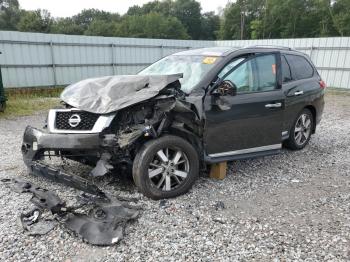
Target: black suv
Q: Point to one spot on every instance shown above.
(181, 113)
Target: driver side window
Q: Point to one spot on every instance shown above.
(255, 75)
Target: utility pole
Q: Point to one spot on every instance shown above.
(242, 19)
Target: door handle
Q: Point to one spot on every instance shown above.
(298, 93)
(276, 105)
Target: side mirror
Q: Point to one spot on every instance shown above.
(225, 88)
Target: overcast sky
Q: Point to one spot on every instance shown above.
(64, 8)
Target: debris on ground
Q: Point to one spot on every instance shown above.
(219, 205)
(99, 221)
(268, 217)
(34, 225)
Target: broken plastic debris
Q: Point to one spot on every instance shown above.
(102, 167)
(102, 224)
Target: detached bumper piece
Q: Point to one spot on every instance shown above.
(98, 221)
(37, 142)
(56, 175)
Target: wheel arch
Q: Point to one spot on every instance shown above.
(190, 137)
(314, 114)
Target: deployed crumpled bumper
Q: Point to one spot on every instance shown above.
(36, 142)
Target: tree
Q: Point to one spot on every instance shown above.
(35, 21)
(189, 13)
(210, 25)
(230, 24)
(341, 17)
(164, 7)
(9, 14)
(102, 28)
(87, 16)
(135, 10)
(240, 19)
(66, 26)
(260, 19)
(152, 25)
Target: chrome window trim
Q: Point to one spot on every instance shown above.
(102, 122)
(247, 150)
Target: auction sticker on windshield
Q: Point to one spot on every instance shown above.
(209, 60)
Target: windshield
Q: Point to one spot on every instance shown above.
(192, 67)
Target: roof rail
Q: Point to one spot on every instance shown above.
(270, 46)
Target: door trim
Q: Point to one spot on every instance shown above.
(247, 150)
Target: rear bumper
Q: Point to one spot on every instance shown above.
(36, 142)
(319, 105)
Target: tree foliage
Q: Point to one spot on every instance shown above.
(253, 19)
(9, 14)
(341, 17)
(35, 21)
(152, 25)
(210, 25)
(184, 19)
(188, 12)
(66, 26)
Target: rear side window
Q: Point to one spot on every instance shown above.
(301, 68)
(286, 73)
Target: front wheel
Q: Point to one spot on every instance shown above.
(300, 133)
(165, 167)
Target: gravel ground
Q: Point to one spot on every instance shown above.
(292, 206)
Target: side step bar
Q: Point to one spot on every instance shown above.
(74, 181)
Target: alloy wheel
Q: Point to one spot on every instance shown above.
(302, 130)
(168, 169)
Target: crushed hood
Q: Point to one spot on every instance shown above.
(107, 94)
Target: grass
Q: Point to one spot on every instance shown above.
(338, 91)
(24, 102)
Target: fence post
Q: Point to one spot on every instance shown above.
(113, 59)
(53, 64)
(311, 52)
(161, 51)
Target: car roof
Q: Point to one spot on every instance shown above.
(225, 51)
(208, 51)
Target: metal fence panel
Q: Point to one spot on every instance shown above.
(35, 59)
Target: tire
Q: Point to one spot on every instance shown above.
(299, 139)
(169, 178)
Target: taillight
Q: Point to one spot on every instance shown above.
(322, 84)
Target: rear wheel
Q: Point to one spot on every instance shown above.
(300, 133)
(165, 167)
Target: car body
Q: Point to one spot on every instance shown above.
(164, 127)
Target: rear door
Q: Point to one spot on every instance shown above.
(251, 121)
(300, 82)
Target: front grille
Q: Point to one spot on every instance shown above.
(87, 122)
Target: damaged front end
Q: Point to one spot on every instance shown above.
(109, 139)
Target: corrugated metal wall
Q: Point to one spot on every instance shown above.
(34, 59)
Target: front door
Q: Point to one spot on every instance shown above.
(251, 120)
